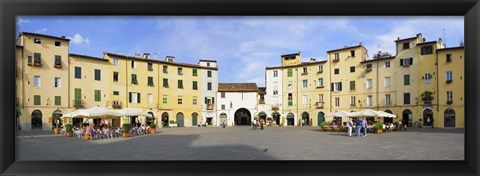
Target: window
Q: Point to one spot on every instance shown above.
(352, 85)
(426, 50)
(352, 101)
(222, 95)
(406, 45)
(449, 76)
(352, 69)
(449, 96)
(194, 72)
(58, 82)
(275, 73)
(289, 72)
(369, 100)
(97, 75)
(208, 64)
(289, 85)
(115, 76)
(36, 81)
(165, 69)
(352, 53)
(290, 99)
(115, 62)
(387, 100)
(337, 71)
(209, 73)
(194, 85)
(78, 72)
(194, 100)
(165, 99)
(180, 71)
(337, 86)
(78, 95)
(58, 60)
(275, 101)
(36, 100)
(58, 100)
(98, 96)
(320, 98)
(304, 100)
(134, 79)
(406, 79)
(369, 67)
(150, 66)
(337, 102)
(320, 82)
(387, 64)
(336, 56)
(165, 82)
(304, 83)
(369, 84)
(180, 84)
(387, 81)
(116, 93)
(37, 58)
(180, 100)
(406, 98)
(150, 98)
(29, 59)
(305, 70)
(427, 77)
(320, 68)
(150, 81)
(134, 97)
(406, 62)
(449, 57)
(275, 92)
(37, 40)
(209, 86)
(134, 64)
(223, 107)
(57, 43)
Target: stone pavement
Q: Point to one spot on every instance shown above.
(243, 143)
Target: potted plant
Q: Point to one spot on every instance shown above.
(283, 122)
(126, 130)
(153, 128)
(68, 130)
(172, 122)
(56, 120)
(378, 127)
(323, 125)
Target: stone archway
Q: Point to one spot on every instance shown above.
(407, 117)
(449, 121)
(243, 117)
(427, 117)
(320, 118)
(150, 119)
(56, 121)
(36, 120)
(180, 120)
(276, 117)
(305, 119)
(165, 119)
(290, 119)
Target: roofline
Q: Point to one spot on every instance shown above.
(451, 48)
(240, 90)
(292, 54)
(88, 57)
(373, 60)
(207, 60)
(299, 65)
(162, 62)
(401, 40)
(43, 35)
(425, 43)
(350, 47)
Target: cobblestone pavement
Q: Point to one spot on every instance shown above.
(243, 143)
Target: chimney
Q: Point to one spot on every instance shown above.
(155, 56)
(146, 55)
(312, 60)
(63, 36)
(398, 38)
(360, 44)
(170, 59)
(423, 40)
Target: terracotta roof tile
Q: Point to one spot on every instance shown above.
(237, 87)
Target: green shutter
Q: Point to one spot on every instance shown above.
(406, 79)
(78, 94)
(289, 72)
(340, 86)
(78, 72)
(138, 97)
(195, 85)
(352, 85)
(206, 100)
(213, 100)
(130, 97)
(194, 72)
(98, 96)
(58, 60)
(29, 59)
(36, 100)
(332, 88)
(58, 100)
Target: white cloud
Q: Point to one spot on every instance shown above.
(79, 40)
(21, 21)
(41, 30)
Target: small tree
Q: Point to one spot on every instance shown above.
(56, 119)
(126, 127)
(69, 128)
(283, 120)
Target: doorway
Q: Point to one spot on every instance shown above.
(36, 120)
(449, 118)
(243, 117)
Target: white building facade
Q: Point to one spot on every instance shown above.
(273, 97)
(237, 103)
(209, 91)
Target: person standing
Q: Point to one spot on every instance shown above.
(364, 127)
(399, 125)
(349, 126)
(254, 124)
(358, 126)
(261, 124)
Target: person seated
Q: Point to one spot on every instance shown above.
(140, 131)
(79, 132)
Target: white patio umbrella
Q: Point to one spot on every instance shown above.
(98, 112)
(72, 114)
(339, 114)
(366, 112)
(385, 114)
(133, 112)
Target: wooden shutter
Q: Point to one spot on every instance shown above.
(332, 87)
(129, 97)
(138, 97)
(213, 100)
(401, 62)
(340, 86)
(411, 61)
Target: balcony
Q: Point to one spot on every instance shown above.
(57, 66)
(319, 105)
(319, 87)
(368, 69)
(78, 103)
(210, 106)
(321, 71)
(449, 81)
(304, 73)
(449, 102)
(275, 108)
(336, 59)
(150, 68)
(38, 64)
(116, 104)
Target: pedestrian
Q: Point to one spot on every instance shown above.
(303, 122)
(399, 125)
(364, 127)
(261, 124)
(254, 124)
(432, 122)
(358, 126)
(349, 125)
(405, 126)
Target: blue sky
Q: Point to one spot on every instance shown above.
(242, 45)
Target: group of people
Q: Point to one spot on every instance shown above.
(360, 124)
(258, 123)
(91, 131)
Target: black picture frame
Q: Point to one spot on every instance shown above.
(470, 9)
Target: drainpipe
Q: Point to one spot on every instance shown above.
(378, 85)
(438, 93)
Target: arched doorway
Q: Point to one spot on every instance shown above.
(194, 119)
(305, 119)
(290, 119)
(180, 119)
(407, 117)
(320, 118)
(36, 120)
(276, 117)
(150, 119)
(223, 118)
(56, 123)
(387, 120)
(449, 118)
(262, 116)
(165, 119)
(427, 117)
(243, 117)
